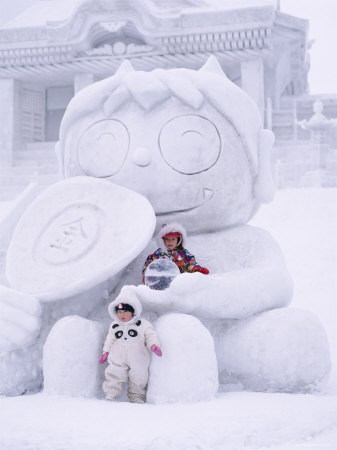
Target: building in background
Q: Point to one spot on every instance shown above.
(57, 47)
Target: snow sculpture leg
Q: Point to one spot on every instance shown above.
(70, 363)
(188, 369)
(278, 350)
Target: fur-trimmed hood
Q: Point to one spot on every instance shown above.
(169, 228)
(127, 295)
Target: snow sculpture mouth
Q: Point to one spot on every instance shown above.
(186, 198)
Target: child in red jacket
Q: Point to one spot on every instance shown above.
(171, 239)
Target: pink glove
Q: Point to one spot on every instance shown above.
(103, 358)
(156, 350)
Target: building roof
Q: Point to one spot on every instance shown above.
(53, 39)
(57, 12)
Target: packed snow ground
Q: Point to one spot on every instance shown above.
(304, 224)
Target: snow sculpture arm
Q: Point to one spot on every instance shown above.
(20, 319)
(257, 280)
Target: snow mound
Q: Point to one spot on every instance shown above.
(75, 235)
(188, 369)
(279, 350)
(70, 358)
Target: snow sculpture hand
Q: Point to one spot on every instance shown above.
(202, 270)
(20, 320)
(156, 350)
(103, 357)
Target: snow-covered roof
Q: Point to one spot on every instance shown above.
(58, 12)
(210, 4)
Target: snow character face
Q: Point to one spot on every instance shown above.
(190, 141)
(124, 316)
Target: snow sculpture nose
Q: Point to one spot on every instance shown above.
(142, 157)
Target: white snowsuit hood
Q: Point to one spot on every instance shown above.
(169, 228)
(127, 295)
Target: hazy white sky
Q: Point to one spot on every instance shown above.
(322, 15)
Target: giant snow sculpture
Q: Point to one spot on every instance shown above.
(192, 143)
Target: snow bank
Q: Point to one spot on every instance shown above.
(234, 421)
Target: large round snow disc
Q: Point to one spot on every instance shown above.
(160, 273)
(76, 234)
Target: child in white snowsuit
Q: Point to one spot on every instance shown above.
(127, 348)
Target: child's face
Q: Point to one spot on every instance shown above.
(124, 316)
(171, 242)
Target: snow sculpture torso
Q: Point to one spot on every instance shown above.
(193, 144)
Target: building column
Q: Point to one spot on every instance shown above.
(252, 82)
(9, 120)
(82, 80)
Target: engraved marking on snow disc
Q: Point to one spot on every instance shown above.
(69, 235)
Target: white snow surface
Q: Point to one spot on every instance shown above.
(304, 224)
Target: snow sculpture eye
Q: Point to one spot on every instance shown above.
(119, 334)
(190, 144)
(132, 333)
(103, 147)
